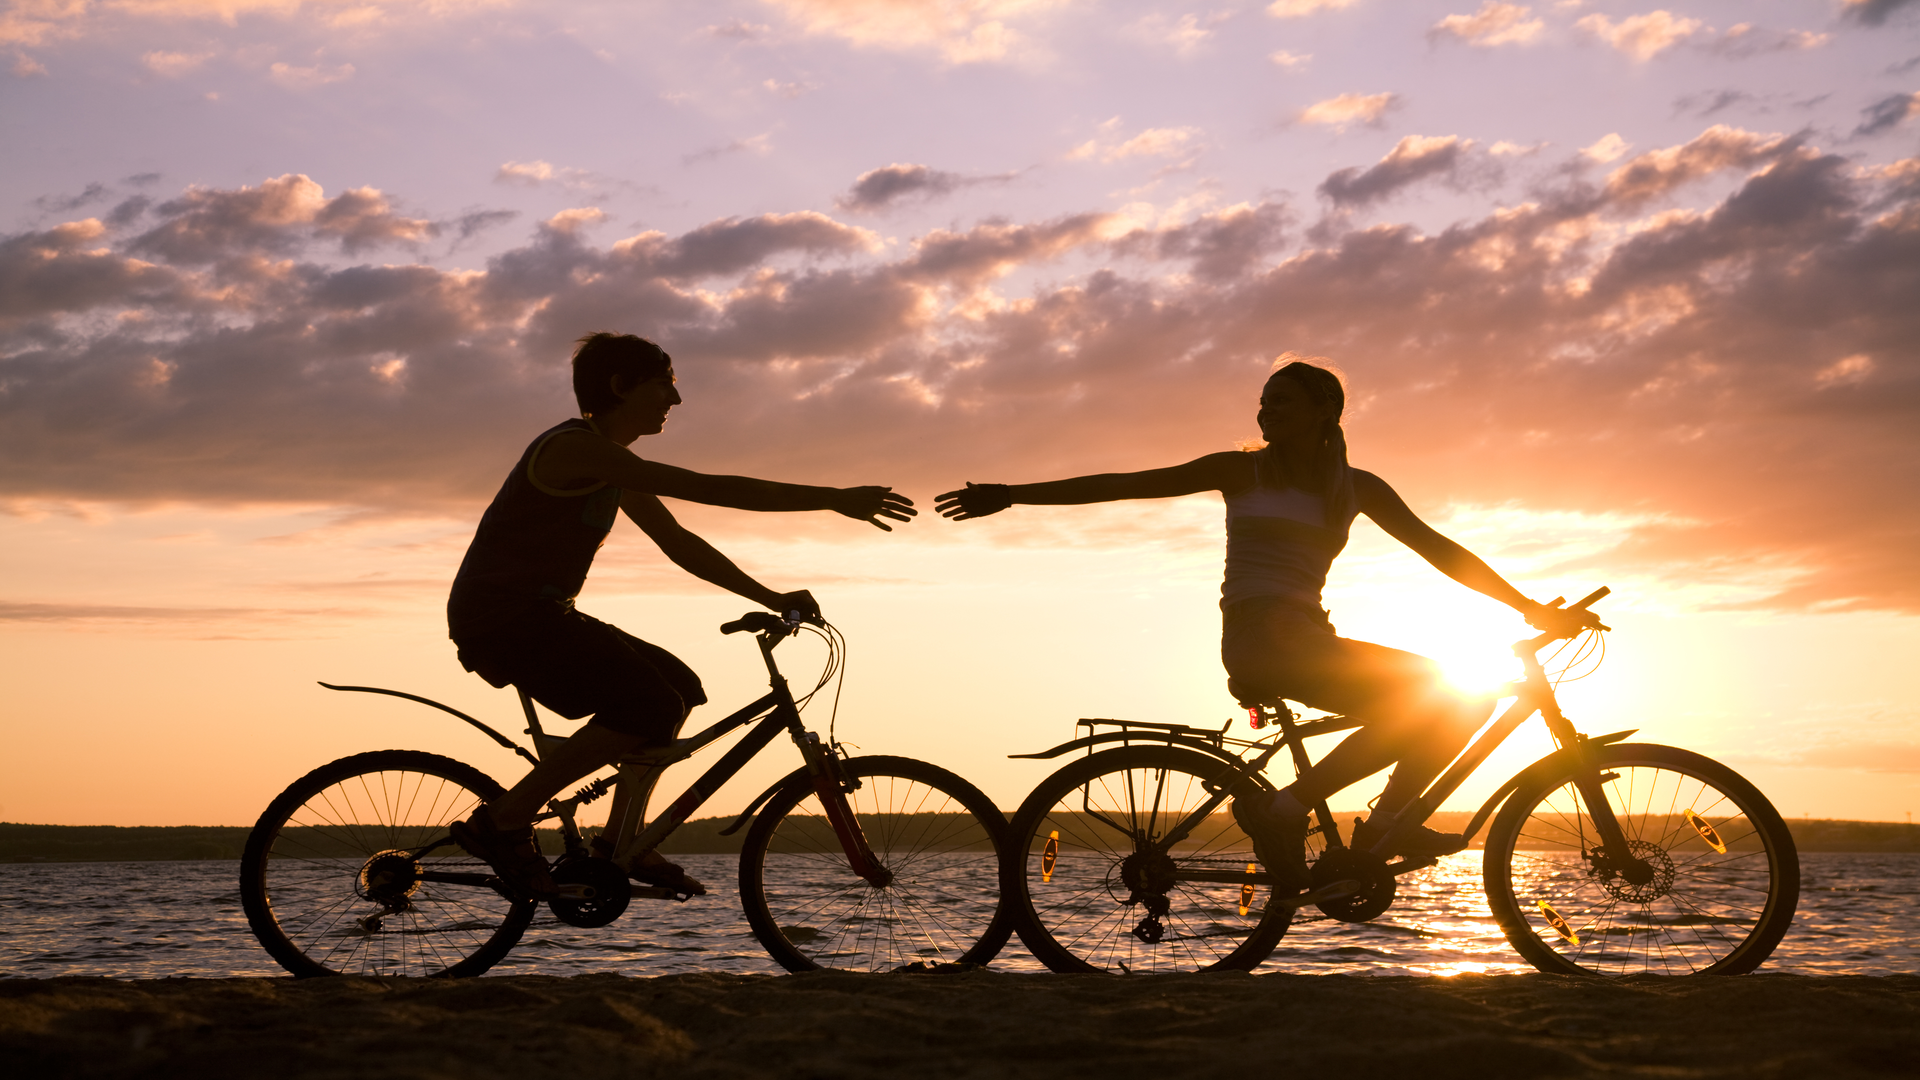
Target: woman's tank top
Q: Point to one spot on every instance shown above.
(534, 545)
(1279, 542)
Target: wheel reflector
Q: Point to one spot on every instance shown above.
(1246, 892)
(1559, 924)
(1050, 856)
(1706, 831)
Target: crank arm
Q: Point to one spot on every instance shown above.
(1332, 891)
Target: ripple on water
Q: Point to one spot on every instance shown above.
(147, 920)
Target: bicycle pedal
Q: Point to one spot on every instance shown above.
(1332, 891)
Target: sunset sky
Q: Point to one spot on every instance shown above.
(1625, 294)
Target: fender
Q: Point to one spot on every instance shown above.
(1558, 760)
(496, 736)
(1135, 738)
(797, 776)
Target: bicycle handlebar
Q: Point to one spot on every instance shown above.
(761, 622)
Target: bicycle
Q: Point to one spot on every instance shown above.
(871, 863)
(1604, 857)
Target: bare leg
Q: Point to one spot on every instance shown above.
(590, 749)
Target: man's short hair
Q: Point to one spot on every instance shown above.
(602, 357)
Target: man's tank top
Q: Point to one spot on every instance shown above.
(534, 545)
(1279, 542)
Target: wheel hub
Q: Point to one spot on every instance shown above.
(1148, 871)
(1643, 878)
(389, 878)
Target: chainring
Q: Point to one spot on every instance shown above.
(604, 885)
(1377, 885)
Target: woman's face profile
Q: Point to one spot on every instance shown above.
(1286, 407)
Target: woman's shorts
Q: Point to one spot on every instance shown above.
(1276, 648)
(578, 666)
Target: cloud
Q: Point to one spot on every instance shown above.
(536, 173)
(1744, 39)
(759, 145)
(1888, 113)
(1413, 159)
(1734, 381)
(1348, 109)
(1494, 24)
(879, 189)
(1642, 36)
(315, 75)
(960, 31)
(172, 65)
(1659, 172)
(1298, 9)
(737, 29)
(1873, 12)
(1290, 61)
(1185, 34)
(1153, 142)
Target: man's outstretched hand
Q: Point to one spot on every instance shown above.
(974, 500)
(870, 504)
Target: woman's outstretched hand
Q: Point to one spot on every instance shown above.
(870, 504)
(974, 500)
(1559, 621)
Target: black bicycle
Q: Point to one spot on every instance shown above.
(853, 863)
(1606, 857)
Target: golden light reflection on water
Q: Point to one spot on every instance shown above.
(1439, 924)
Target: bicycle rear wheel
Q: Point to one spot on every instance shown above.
(351, 871)
(1087, 853)
(938, 836)
(1721, 873)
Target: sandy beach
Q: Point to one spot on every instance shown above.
(972, 1024)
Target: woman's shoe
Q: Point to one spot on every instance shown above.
(1279, 840)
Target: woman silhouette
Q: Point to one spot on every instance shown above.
(1290, 505)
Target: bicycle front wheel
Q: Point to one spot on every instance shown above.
(351, 871)
(938, 837)
(1709, 889)
(1088, 866)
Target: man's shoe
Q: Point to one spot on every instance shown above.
(513, 854)
(1418, 842)
(651, 868)
(1279, 840)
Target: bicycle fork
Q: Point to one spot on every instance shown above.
(832, 786)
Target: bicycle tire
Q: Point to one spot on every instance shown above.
(313, 865)
(1076, 916)
(937, 834)
(1705, 912)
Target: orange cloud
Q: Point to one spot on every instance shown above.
(1733, 382)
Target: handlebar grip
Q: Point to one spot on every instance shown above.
(756, 621)
(1592, 597)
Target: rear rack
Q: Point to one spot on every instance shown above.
(1322, 725)
(1162, 731)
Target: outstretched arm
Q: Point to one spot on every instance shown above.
(1227, 471)
(578, 459)
(1381, 503)
(697, 557)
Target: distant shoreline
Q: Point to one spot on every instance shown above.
(162, 843)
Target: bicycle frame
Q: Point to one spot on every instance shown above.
(775, 711)
(1533, 693)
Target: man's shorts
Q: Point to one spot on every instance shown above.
(578, 666)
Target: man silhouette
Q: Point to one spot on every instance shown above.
(512, 614)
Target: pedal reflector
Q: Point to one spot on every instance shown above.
(1246, 891)
(1049, 856)
(1706, 831)
(1559, 924)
